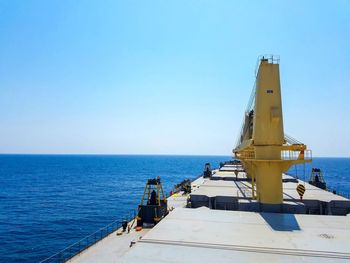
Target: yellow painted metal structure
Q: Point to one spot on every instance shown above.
(262, 147)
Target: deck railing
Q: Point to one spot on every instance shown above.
(296, 155)
(79, 246)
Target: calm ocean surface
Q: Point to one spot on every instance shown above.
(48, 202)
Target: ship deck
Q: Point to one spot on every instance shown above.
(114, 247)
(210, 232)
(206, 235)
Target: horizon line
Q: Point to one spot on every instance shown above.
(147, 154)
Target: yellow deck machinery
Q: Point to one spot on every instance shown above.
(262, 145)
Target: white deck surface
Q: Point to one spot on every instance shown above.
(241, 189)
(311, 192)
(212, 188)
(110, 249)
(203, 235)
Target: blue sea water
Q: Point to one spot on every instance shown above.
(48, 202)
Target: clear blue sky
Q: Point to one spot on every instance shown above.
(167, 77)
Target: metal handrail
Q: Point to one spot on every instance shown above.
(273, 59)
(84, 243)
(290, 155)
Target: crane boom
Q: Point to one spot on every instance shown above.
(262, 147)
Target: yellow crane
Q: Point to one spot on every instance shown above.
(262, 147)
